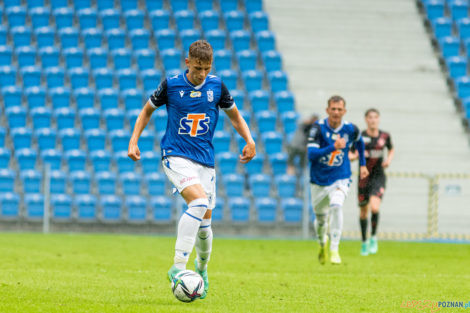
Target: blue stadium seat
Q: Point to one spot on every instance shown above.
(90, 118)
(217, 38)
(6, 54)
(184, 19)
(145, 59)
(153, 5)
(108, 98)
(106, 183)
(241, 40)
(101, 160)
(86, 207)
(63, 17)
(247, 60)
(230, 78)
(114, 119)
(104, 78)
(34, 204)
(457, 66)
(98, 58)
(96, 139)
(35, 97)
(434, 9)
(166, 39)
(221, 122)
(45, 37)
(259, 21)
(450, 46)
(21, 137)
(52, 157)
(272, 142)
(442, 27)
(122, 58)
(246, 116)
(146, 140)
(218, 212)
(458, 9)
(131, 183)
(60, 98)
(151, 78)
(188, 36)
(35, 3)
(253, 80)
(259, 100)
(70, 138)
(260, 185)
(134, 19)
(234, 184)
(266, 209)
(84, 98)
(127, 78)
(69, 37)
(16, 16)
(111, 208)
(11, 96)
(2, 136)
(278, 163)
(87, 18)
(229, 5)
(120, 140)
(61, 205)
(239, 98)
(7, 180)
(9, 205)
(31, 76)
(73, 57)
(79, 77)
(49, 57)
(178, 5)
(160, 19)
(156, 183)
(110, 19)
(222, 60)
(58, 182)
(284, 101)
(266, 41)
(463, 87)
(278, 81)
(92, 38)
(76, 160)
(151, 161)
(83, 4)
(7, 76)
(272, 60)
(209, 19)
(239, 209)
(463, 28)
(26, 158)
(266, 121)
(46, 138)
(4, 157)
(65, 118)
(3, 34)
(133, 99)
(80, 182)
(221, 141)
(116, 38)
(55, 77)
(285, 185)
(136, 208)
(161, 119)
(40, 17)
(227, 162)
(289, 122)
(140, 39)
(292, 209)
(31, 180)
(234, 20)
(16, 116)
(171, 58)
(161, 209)
(105, 5)
(253, 5)
(123, 162)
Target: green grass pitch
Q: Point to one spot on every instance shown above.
(124, 273)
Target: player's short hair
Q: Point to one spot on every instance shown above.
(372, 110)
(336, 98)
(201, 50)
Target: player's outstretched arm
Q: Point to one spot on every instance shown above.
(390, 155)
(142, 120)
(249, 151)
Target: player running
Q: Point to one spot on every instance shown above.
(330, 173)
(371, 189)
(192, 101)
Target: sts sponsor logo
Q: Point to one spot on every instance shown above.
(194, 124)
(335, 158)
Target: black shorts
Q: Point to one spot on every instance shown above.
(372, 185)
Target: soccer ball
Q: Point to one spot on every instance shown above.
(187, 286)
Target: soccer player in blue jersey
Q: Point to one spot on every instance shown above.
(192, 100)
(330, 173)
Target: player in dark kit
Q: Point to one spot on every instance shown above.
(371, 189)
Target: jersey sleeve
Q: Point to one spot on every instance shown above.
(226, 101)
(160, 95)
(388, 143)
(313, 144)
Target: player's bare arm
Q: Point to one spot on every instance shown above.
(363, 172)
(249, 151)
(390, 155)
(142, 120)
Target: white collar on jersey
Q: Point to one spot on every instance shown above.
(191, 84)
(337, 129)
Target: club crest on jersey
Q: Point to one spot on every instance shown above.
(194, 124)
(181, 93)
(195, 94)
(210, 95)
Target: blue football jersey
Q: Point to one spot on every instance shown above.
(327, 164)
(193, 112)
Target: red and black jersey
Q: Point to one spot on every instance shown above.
(375, 150)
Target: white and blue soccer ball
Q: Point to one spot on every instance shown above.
(187, 286)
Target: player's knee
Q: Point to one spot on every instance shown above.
(337, 198)
(198, 207)
(320, 219)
